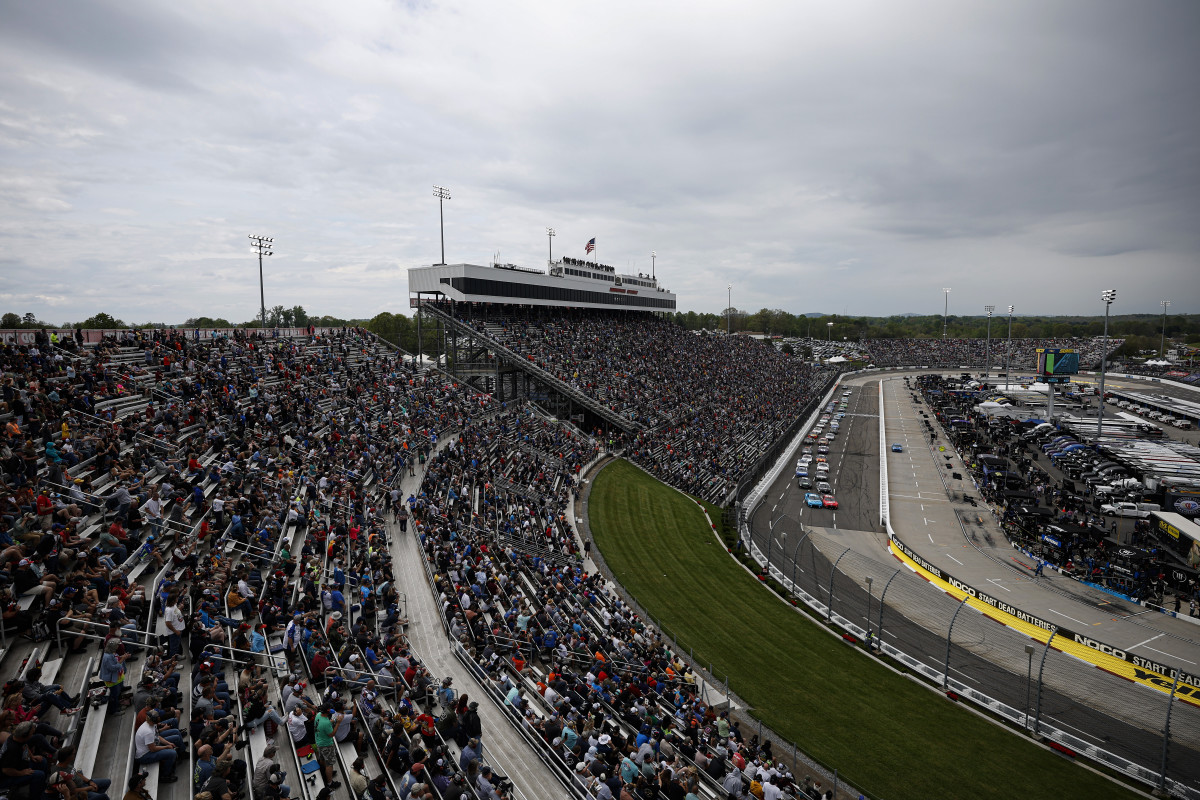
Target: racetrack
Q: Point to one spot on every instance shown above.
(1102, 710)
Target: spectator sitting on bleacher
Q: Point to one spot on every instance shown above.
(73, 784)
(41, 697)
(19, 765)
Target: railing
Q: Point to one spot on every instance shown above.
(525, 366)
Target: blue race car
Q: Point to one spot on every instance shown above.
(814, 500)
(897, 448)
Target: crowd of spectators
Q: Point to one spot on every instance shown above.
(974, 352)
(707, 406)
(256, 477)
(601, 689)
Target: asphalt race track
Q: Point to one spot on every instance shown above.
(1099, 708)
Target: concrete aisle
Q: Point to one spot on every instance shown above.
(503, 747)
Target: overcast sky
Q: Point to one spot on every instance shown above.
(839, 156)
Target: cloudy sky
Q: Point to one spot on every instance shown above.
(820, 156)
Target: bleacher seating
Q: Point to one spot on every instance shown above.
(304, 440)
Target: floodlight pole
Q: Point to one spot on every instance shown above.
(1008, 352)
(550, 239)
(828, 331)
(729, 309)
(946, 313)
(442, 193)
(1107, 297)
(1162, 348)
(987, 367)
(262, 245)
(653, 255)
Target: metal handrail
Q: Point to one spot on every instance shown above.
(58, 632)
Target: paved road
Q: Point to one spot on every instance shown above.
(1102, 710)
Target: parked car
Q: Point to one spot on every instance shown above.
(1139, 510)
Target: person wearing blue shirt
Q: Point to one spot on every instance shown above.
(258, 642)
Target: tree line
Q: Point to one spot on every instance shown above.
(1141, 331)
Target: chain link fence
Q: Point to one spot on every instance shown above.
(1147, 734)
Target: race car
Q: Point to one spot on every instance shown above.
(828, 501)
(813, 500)
(897, 448)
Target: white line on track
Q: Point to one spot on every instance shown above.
(1072, 727)
(931, 541)
(1002, 586)
(1148, 641)
(955, 560)
(1171, 655)
(1081, 622)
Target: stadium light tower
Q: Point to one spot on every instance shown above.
(1162, 348)
(550, 239)
(946, 313)
(262, 245)
(829, 331)
(1008, 352)
(1107, 297)
(729, 309)
(987, 367)
(441, 193)
(653, 255)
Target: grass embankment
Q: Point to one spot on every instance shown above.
(885, 734)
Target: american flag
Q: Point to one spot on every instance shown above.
(591, 245)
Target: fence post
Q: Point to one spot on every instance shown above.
(832, 572)
(1162, 778)
(879, 627)
(949, 632)
(795, 554)
(1037, 714)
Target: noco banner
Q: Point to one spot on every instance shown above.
(1112, 659)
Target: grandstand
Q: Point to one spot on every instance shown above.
(1022, 354)
(211, 524)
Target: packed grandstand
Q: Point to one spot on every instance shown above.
(1021, 354)
(203, 530)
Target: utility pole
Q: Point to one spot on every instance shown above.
(262, 245)
(1008, 352)
(987, 369)
(1162, 348)
(946, 313)
(1107, 297)
(441, 193)
(729, 309)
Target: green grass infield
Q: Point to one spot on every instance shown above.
(886, 735)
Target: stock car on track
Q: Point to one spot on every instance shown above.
(814, 500)
(828, 501)
(897, 448)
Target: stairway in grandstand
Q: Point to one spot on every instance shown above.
(533, 370)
